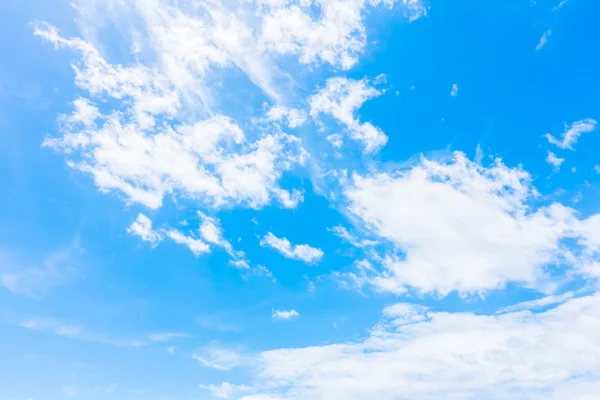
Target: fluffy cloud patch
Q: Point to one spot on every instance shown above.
(135, 152)
(340, 98)
(302, 252)
(142, 227)
(458, 226)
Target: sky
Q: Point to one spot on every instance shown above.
(299, 199)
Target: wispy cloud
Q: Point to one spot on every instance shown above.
(571, 134)
(543, 40)
(54, 270)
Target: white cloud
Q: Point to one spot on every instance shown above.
(454, 91)
(555, 161)
(302, 252)
(552, 355)
(544, 39)
(171, 350)
(197, 246)
(142, 226)
(279, 315)
(225, 390)
(340, 98)
(572, 133)
(330, 31)
(210, 230)
(129, 152)
(336, 140)
(597, 169)
(458, 226)
(217, 357)
(261, 270)
(292, 116)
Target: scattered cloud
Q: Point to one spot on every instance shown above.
(555, 161)
(454, 91)
(341, 98)
(196, 246)
(572, 133)
(142, 227)
(302, 252)
(543, 40)
(279, 315)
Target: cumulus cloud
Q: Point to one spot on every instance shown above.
(279, 315)
(418, 353)
(302, 252)
(129, 152)
(455, 225)
(340, 98)
(572, 133)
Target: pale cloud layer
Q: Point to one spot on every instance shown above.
(458, 226)
(35, 281)
(415, 353)
(302, 252)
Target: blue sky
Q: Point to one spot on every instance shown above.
(284, 200)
